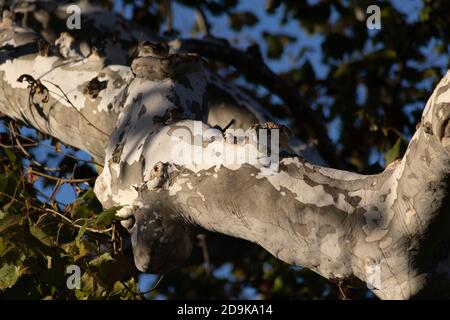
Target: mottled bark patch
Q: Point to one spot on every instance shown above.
(324, 230)
(94, 87)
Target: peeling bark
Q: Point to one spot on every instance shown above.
(389, 231)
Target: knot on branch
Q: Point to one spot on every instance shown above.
(170, 115)
(158, 176)
(66, 45)
(442, 117)
(153, 49)
(283, 131)
(160, 244)
(117, 153)
(46, 49)
(156, 68)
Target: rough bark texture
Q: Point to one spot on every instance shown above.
(389, 230)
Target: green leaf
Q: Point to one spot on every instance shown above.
(84, 248)
(80, 211)
(80, 295)
(100, 260)
(86, 206)
(10, 155)
(4, 247)
(41, 235)
(108, 216)
(396, 151)
(278, 284)
(82, 230)
(108, 270)
(9, 275)
(91, 287)
(10, 221)
(117, 289)
(87, 196)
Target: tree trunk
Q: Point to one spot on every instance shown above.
(147, 121)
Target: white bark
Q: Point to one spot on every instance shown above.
(347, 227)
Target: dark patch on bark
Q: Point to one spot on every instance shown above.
(94, 87)
(301, 228)
(173, 97)
(119, 82)
(196, 109)
(334, 192)
(117, 153)
(324, 230)
(292, 170)
(412, 175)
(384, 196)
(428, 128)
(170, 115)
(122, 133)
(142, 111)
(184, 80)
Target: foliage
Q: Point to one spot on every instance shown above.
(40, 239)
(370, 90)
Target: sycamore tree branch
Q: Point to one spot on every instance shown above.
(74, 84)
(170, 170)
(257, 71)
(347, 227)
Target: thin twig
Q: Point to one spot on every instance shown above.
(169, 15)
(73, 106)
(25, 152)
(136, 294)
(202, 21)
(341, 291)
(62, 180)
(54, 200)
(202, 244)
(55, 190)
(30, 145)
(57, 151)
(58, 232)
(154, 286)
(64, 218)
(113, 238)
